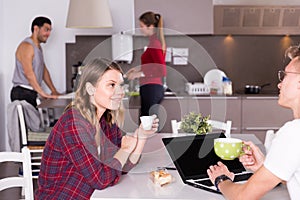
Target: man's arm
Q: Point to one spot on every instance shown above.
(258, 185)
(48, 81)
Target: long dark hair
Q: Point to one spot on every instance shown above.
(150, 18)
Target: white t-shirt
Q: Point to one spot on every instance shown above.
(283, 159)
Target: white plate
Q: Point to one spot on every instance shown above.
(214, 75)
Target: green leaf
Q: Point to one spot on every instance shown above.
(195, 123)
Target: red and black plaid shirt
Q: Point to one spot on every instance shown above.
(71, 167)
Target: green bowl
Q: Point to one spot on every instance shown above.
(228, 148)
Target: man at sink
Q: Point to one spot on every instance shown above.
(282, 163)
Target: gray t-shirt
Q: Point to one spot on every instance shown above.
(19, 77)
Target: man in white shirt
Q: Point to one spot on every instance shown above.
(282, 163)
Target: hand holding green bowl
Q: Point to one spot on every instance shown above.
(228, 148)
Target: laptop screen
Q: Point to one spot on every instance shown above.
(192, 155)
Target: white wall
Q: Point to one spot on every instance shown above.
(256, 2)
(15, 22)
(2, 110)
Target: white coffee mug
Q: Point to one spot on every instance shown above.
(147, 122)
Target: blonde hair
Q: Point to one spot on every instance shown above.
(292, 52)
(92, 73)
(150, 18)
(296, 63)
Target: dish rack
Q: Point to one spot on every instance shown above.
(197, 89)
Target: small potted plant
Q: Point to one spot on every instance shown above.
(195, 123)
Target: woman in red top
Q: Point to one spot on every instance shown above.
(152, 72)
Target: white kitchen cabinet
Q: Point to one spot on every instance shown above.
(260, 114)
(180, 17)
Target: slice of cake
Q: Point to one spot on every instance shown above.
(161, 177)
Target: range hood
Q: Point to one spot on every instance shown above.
(256, 20)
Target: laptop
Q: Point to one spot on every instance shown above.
(192, 156)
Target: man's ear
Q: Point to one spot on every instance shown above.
(90, 88)
(35, 28)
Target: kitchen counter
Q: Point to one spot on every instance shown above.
(133, 102)
(234, 96)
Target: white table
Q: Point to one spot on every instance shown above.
(137, 184)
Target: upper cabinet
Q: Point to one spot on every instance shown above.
(259, 20)
(180, 17)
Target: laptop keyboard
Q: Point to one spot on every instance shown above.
(205, 182)
(237, 178)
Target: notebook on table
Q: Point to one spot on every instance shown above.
(192, 156)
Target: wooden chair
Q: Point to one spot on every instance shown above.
(24, 181)
(216, 125)
(35, 142)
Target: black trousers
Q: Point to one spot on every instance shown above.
(20, 93)
(151, 95)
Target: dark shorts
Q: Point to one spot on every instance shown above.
(20, 93)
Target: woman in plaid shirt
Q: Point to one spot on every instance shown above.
(86, 150)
